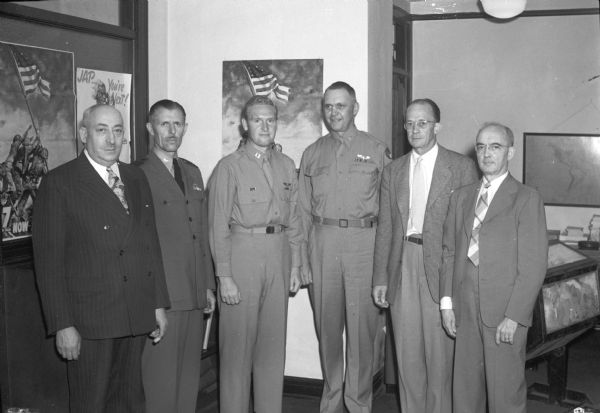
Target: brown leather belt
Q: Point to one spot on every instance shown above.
(269, 229)
(415, 239)
(346, 223)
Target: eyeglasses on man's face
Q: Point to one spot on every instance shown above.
(420, 124)
(492, 147)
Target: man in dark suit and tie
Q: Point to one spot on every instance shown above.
(99, 269)
(415, 192)
(495, 258)
(171, 370)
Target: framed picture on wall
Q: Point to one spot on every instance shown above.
(564, 168)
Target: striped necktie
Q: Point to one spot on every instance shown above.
(480, 211)
(117, 187)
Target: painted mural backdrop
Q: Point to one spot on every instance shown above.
(295, 86)
(37, 127)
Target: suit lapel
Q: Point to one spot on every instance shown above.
(403, 188)
(503, 198)
(164, 178)
(97, 189)
(441, 176)
(468, 207)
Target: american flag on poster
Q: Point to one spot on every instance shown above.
(264, 83)
(29, 73)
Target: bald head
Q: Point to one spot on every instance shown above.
(102, 132)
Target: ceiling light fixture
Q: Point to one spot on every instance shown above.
(504, 9)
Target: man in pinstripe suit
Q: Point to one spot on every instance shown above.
(99, 269)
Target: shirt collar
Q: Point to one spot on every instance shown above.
(101, 169)
(259, 155)
(496, 182)
(347, 136)
(165, 158)
(429, 156)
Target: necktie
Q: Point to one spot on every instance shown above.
(419, 196)
(266, 167)
(117, 186)
(480, 211)
(177, 175)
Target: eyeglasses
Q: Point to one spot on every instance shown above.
(492, 147)
(420, 124)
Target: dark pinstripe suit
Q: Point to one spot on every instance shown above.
(99, 269)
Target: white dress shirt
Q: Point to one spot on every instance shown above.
(428, 163)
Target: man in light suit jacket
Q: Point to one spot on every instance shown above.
(495, 258)
(171, 371)
(415, 193)
(99, 269)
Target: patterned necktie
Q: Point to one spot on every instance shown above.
(480, 211)
(419, 196)
(117, 187)
(177, 175)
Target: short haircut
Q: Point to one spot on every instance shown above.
(435, 109)
(342, 85)
(507, 132)
(165, 104)
(255, 101)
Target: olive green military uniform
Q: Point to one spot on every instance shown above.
(255, 237)
(339, 202)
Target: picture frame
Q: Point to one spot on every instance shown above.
(563, 167)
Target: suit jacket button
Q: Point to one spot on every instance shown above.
(193, 237)
(121, 252)
(125, 278)
(165, 202)
(190, 218)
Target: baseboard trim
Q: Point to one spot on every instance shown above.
(303, 386)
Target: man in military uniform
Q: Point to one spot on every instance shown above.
(339, 202)
(255, 240)
(171, 371)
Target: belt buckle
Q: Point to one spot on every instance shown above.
(270, 229)
(343, 223)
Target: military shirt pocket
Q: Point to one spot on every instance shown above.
(364, 175)
(318, 179)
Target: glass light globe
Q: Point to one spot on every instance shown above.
(503, 9)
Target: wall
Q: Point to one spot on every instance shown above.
(535, 74)
(201, 35)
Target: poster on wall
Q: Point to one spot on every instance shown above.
(96, 87)
(37, 127)
(294, 85)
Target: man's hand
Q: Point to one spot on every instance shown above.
(161, 325)
(68, 343)
(211, 302)
(505, 332)
(379, 296)
(295, 280)
(230, 294)
(305, 274)
(449, 322)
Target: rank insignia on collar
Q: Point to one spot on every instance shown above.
(287, 186)
(362, 158)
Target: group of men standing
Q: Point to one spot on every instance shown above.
(122, 253)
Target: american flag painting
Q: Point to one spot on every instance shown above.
(29, 73)
(265, 83)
